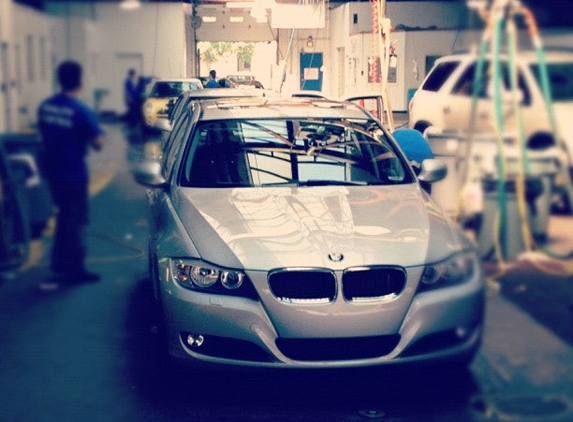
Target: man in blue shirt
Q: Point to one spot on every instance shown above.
(212, 82)
(130, 95)
(416, 148)
(69, 128)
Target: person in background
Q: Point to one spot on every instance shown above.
(68, 128)
(130, 95)
(416, 148)
(212, 82)
(225, 83)
(140, 97)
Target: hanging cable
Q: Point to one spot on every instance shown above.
(287, 56)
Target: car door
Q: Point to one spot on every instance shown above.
(457, 105)
(370, 102)
(159, 198)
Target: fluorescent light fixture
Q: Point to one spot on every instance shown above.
(209, 19)
(130, 4)
(236, 19)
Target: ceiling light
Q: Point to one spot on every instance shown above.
(130, 4)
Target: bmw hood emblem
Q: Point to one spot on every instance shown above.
(335, 257)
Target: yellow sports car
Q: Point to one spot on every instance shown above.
(161, 92)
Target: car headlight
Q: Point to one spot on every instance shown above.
(457, 269)
(201, 277)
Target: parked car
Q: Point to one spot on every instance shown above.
(203, 79)
(161, 91)
(245, 80)
(25, 201)
(292, 233)
(308, 94)
(444, 100)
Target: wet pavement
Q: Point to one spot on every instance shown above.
(88, 352)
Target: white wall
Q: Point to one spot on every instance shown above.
(435, 14)
(32, 38)
(106, 40)
(8, 87)
(152, 39)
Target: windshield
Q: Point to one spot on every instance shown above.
(560, 79)
(290, 152)
(164, 89)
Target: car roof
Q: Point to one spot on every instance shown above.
(176, 80)
(552, 54)
(278, 108)
(215, 93)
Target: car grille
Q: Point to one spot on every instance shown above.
(373, 283)
(303, 286)
(319, 286)
(328, 349)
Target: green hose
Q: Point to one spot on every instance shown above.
(498, 108)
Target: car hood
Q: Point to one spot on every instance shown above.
(334, 227)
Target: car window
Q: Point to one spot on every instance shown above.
(174, 142)
(298, 152)
(164, 89)
(178, 107)
(560, 79)
(465, 84)
(439, 75)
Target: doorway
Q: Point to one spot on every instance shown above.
(311, 71)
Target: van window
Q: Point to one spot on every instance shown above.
(465, 85)
(439, 75)
(560, 79)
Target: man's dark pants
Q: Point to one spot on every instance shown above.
(69, 251)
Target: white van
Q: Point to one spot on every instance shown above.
(444, 100)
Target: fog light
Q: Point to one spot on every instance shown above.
(195, 340)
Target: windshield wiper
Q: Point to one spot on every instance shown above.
(318, 182)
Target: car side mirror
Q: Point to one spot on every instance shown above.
(433, 170)
(149, 173)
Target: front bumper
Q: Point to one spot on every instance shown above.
(441, 324)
